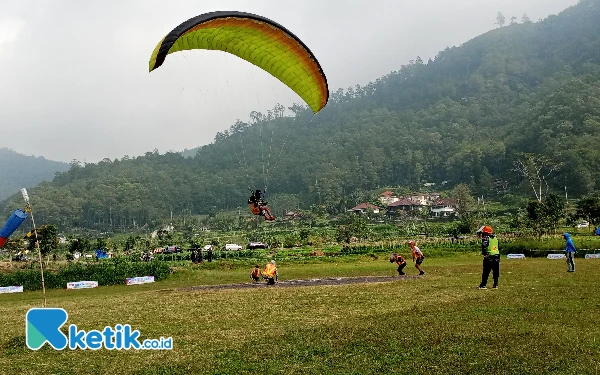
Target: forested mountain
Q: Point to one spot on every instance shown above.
(462, 117)
(19, 171)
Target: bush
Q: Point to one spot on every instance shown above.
(106, 273)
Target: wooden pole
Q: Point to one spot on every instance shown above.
(37, 243)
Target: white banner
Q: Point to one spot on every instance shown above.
(140, 280)
(515, 256)
(556, 256)
(592, 256)
(11, 289)
(82, 285)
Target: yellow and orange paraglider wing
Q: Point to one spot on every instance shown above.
(257, 40)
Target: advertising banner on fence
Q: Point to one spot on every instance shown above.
(515, 256)
(11, 289)
(140, 280)
(82, 285)
(592, 256)
(556, 256)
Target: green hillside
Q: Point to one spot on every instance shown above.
(19, 171)
(462, 117)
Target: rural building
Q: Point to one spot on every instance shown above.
(361, 208)
(405, 204)
(388, 197)
(443, 208)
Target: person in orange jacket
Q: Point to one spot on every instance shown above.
(255, 274)
(417, 256)
(400, 261)
(259, 207)
(270, 273)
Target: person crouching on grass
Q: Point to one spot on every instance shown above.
(417, 257)
(270, 273)
(400, 261)
(255, 274)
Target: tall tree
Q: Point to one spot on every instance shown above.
(545, 216)
(500, 19)
(464, 200)
(589, 209)
(48, 239)
(536, 169)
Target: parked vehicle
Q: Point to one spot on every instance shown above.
(207, 247)
(233, 246)
(20, 258)
(257, 245)
(583, 224)
(172, 249)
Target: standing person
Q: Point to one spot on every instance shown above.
(491, 256)
(270, 273)
(417, 257)
(400, 261)
(193, 256)
(209, 254)
(200, 257)
(570, 250)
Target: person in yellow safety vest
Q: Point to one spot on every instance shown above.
(270, 273)
(400, 261)
(255, 274)
(491, 256)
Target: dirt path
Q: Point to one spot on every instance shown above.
(310, 282)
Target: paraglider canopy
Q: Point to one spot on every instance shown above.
(257, 40)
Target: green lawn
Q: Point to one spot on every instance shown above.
(541, 320)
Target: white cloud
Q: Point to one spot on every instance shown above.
(10, 28)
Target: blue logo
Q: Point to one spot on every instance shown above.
(43, 325)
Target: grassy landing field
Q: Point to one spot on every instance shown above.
(541, 320)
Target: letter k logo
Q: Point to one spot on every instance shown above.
(43, 325)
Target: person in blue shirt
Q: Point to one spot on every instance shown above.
(570, 250)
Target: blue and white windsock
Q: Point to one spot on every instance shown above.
(14, 221)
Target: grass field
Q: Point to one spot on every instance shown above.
(541, 320)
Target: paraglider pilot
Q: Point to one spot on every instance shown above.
(258, 206)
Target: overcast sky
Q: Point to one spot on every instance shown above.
(74, 81)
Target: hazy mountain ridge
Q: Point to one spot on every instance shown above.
(18, 171)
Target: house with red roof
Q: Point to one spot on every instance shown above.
(388, 197)
(405, 204)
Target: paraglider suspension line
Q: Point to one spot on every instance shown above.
(245, 167)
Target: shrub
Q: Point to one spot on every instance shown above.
(106, 273)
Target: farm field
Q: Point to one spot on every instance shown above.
(541, 320)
